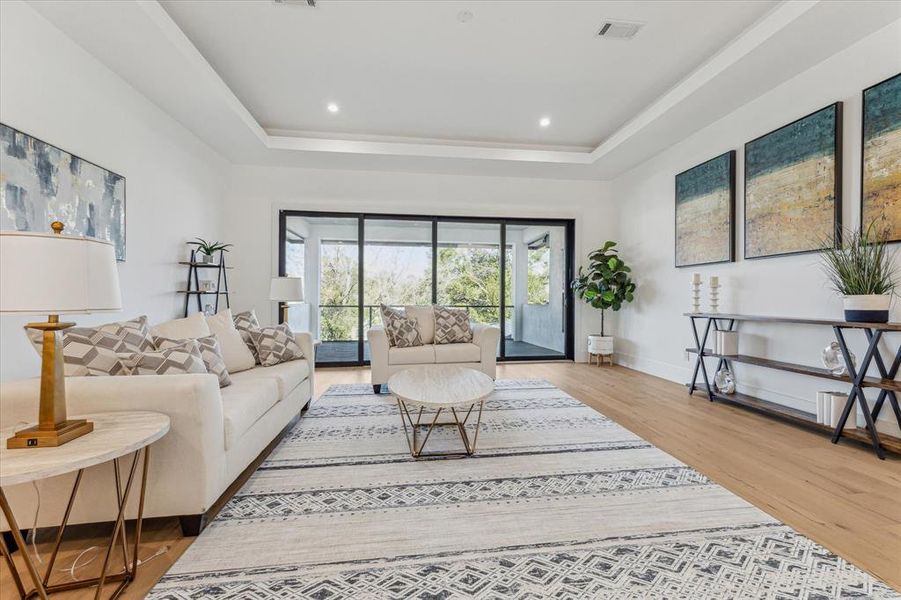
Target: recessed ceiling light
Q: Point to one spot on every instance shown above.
(545, 121)
(332, 107)
(464, 16)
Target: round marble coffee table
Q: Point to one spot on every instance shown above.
(440, 388)
(116, 435)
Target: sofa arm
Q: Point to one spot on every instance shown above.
(378, 354)
(188, 462)
(304, 339)
(486, 338)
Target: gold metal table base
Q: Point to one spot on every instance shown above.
(42, 586)
(416, 449)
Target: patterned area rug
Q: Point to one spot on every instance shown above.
(559, 502)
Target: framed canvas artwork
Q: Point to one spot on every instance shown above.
(793, 200)
(40, 183)
(880, 182)
(705, 212)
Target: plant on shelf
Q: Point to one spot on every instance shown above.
(605, 285)
(205, 249)
(864, 272)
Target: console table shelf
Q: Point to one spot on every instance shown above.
(886, 383)
(800, 417)
(869, 382)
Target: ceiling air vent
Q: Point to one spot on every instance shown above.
(619, 30)
(310, 3)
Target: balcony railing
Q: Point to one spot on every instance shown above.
(330, 330)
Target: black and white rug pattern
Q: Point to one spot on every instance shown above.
(559, 502)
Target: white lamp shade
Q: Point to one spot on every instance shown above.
(286, 289)
(42, 274)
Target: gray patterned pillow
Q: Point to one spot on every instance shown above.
(245, 322)
(402, 331)
(275, 344)
(209, 351)
(83, 347)
(177, 360)
(452, 326)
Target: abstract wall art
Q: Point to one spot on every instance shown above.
(880, 190)
(705, 212)
(793, 186)
(40, 183)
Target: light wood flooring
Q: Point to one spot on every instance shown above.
(841, 496)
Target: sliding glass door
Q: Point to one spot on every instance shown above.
(510, 273)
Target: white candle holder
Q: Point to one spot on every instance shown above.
(696, 296)
(714, 297)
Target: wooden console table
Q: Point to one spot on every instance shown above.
(886, 383)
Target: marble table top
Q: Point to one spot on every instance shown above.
(441, 386)
(115, 434)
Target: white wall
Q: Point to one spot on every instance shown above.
(258, 193)
(652, 332)
(54, 90)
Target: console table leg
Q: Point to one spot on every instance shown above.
(856, 394)
(699, 361)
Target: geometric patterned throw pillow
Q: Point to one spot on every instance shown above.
(177, 360)
(245, 322)
(209, 351)
(402, 331)
(91, 350)
(275, 344)
(452, 326)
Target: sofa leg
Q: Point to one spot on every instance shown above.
(10, 541)
(376, 388)
(192, 525)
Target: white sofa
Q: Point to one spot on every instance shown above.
(215, 435)
(386, 360)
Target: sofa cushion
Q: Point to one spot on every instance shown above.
(275, 345)
(209, 350)
(425, 320)
(402, 330)
(244, 322)
(192, 327)
(90, 350)
(452, 325)
(416, 355)
(178, 360)
(235, 353)
(287, 375)
(457, 353)
(245, 401)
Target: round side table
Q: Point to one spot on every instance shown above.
(115, 435)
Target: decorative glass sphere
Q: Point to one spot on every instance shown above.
(724, 381)
(834, 361)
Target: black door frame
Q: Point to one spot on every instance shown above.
(569, 226)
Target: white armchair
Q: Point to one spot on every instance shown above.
(386, 360)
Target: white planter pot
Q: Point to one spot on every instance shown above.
(203, 259)
(873, 308)
(600, 344)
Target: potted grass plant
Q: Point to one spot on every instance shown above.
(605, 285)
(864, 273)
(205, 249)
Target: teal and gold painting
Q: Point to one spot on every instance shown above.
(705, 212)
(793, 186)
(880, 193)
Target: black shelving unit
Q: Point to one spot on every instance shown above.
(193, 283)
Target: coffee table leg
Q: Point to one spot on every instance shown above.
(23, 547)
(12, 567)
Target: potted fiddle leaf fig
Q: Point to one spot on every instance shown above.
(864, 272)
(606, 285)
(205, 249)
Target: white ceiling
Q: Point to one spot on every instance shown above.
(420, 91)
(412, 69)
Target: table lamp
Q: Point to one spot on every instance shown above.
(286, 290)
(53, 274)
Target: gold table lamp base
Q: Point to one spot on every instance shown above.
(53, 428)
(35, 437)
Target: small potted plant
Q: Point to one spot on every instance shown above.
(605, 285)
(863, 272)
(206, 249)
